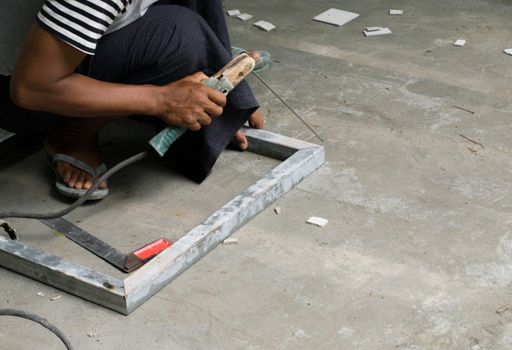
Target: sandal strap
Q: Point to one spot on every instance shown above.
(100, 170)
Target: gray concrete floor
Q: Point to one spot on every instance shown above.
(418, 250)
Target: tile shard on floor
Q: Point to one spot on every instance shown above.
(336, 17)
(317, 221)
(230, 241)
(232, 13)
(244, 17)
(264, 25)
(459, 42)
(376, 31)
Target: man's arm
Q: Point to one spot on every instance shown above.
(45, 80)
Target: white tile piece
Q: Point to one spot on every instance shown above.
(317, 221)
(266, 26)
(396, 12)
(230, 241)
(372, 29)
(377, 32)
(244, 16)
(460, 42)
(336, 17)
(508, 51)
(232, 13)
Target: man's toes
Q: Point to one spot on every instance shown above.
(254, 54)
(73, 178)
(242, 140)
(88, 182)
(76, 178)
(64, 171)
(79, 184)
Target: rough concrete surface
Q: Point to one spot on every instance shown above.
(418, 250)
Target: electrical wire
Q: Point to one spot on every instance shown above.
(286, 104)
(133, 159)
(38, 319)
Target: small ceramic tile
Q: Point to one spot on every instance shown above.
(336, 17)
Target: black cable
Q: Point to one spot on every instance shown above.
(81, 200)
(38, 319)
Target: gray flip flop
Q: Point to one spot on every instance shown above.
(67, 191)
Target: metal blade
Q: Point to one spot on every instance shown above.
(88, 241)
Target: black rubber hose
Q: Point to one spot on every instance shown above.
(38, 319)
(81, 200)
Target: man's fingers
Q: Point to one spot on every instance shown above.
(256, 121)
(241, 140)
(195, 127)
(204, 119)
(198, 120)
(213, 109)
(197, 77)
(217, 97)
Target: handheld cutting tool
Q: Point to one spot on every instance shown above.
(224, 81)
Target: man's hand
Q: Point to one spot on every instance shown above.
(189, 103)
(256, 121)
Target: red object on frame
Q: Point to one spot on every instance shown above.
(152, 249)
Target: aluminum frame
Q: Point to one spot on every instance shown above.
(299, 160)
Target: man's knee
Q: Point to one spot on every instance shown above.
(187, 49)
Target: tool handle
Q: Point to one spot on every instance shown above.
(165, 138)
(224, 81)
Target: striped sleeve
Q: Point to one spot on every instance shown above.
(80, 23)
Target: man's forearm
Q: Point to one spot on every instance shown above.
(81, 96)
(45, 80)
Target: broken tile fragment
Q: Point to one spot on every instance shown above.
(508, 51)
(230, 241)
(396, 12)
(232, 13)
(460, 42)
(376, 31)
(244, 17)
(336, 17)
(263, 25)
(372, 29)
(317, 221)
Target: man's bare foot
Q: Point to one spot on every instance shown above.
(256, 121)
(82, 149)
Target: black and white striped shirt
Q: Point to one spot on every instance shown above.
(81, 23)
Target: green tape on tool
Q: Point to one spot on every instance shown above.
(165, 138)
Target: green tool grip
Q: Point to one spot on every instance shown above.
(165, 138)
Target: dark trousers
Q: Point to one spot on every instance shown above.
(170, 42)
